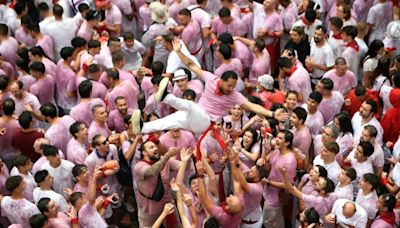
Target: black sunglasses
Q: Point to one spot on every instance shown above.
(105, 141)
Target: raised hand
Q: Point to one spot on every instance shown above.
(174, 185)
(176, 44)
(186, 154)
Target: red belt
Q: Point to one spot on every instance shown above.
(196, 52)
(248, 222)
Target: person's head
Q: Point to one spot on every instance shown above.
(36, 54)
(8, 106)
(129, 39)
(85, 89)
(22, 66)
(224, 52)
(26, 20)
(341, 66)
(167, 41)
(335, 24)
(363, 151)
(376, 49)
(114, 44)
(157, 68)
(368, 109)
(284, 140)
(255, 174)
(34, 29)
(83, 9)
(3, 30)
(329, 133)
(49, 111)
(184, 17)
(225, 15)
(349, 209)
(396, 80)
(316, 172)
(269, 5)
(23, 163)
(39, 220)
(368, 182)
(202, 2)
(52, 155)
(92, 16)
(329, 151)
(99, 113)
(58, 11)
(343, 11)
(346, 176)
(324, 86)
(25, 120)
(319, 34)
(265, 83)
(78, 130)
(386, 202)
(258, 46)
(39, 143)
(181, 78)
(112, 76)
(298, 117)
(78, 43)
(150, 151)
(37, 69)
(297, 34)
(285, 64)
(211, 221)
(15, 184)
(250, 137)
(94, 47)
(343, 123)
(94, 71)
(236, 111)
(48, 207)
(292, 99)
(78, 199)
(101, 144)
(226, 38)
(360, 91)
(309, 216)
(122, 105)
(369, 134)
(189, 95)
(81, 173)
(324, 186)
(310, 16)
(44, 9)
(233, 204)
(175, 133)
(21, 8)
(228, 82)
(349, 33)
(67, 53)
(314, 100)
(118, 59)
(362, 29)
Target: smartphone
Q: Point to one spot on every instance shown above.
(228, 125)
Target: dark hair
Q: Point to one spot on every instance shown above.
(38, 66)
(95, 140)
(211, 222)
(389, 201)
(38, 220)
(50, 150)
(119, 98)
(82, 7)
(328, 83)
(301, 113)
(189, 93)
(26, 20)
(284, 62)
(310, 15)
(185, 12)
(345, 123)
(316, 96)
(329, 186)
(66, 52)
(260, 44)
(311, 216)
(117, 57)
(4, 81)
(128, 36)
(93, 68)
(41, 175)
(200, 1)
(321, 28)
(85, 88)
(58, 10)
(187, 72)
(371, 130)
(112, 40)
(77, 170)
(373, 49)
(367, 147)
(332, 147)
(19, 7)
(42, 205)
(322, 171)
(229, 75)
(396, 79)
(25, 119)
(336, 21)
(21, 160)
(288, 137)
(43, 6)
(360, 90)
(37, 50)
(340, 61)
(253, 139)
(3, 29)
(23, 53)
(350, 31)
(75, 197)
(78, 42)
(19, 84)
(225, 51)
(193, 177)
(94, 44)
(112, 73)
(224, 12)
(225, 38)
(92, 14)
(23, 64)
(13, 182)
(156, 79)
(351, 173)
(169, 37)
(75, 128)
(48, 110)
(157, 68)
(371, 179)
(8, 106)
(372, 103)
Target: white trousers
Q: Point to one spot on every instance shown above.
(189, 116)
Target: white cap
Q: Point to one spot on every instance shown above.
(266, 81)
(179, 74)
(393, 30)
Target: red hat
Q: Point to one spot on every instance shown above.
(101, 3)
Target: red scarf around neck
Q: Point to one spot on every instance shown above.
(149, 162)
(388, 217)
(338, 36)
(304, 20)
(353, 44)
(217, 89)
(292, 70)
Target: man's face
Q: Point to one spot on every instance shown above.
(311, 104)
(362, 184)
(365, 136)
(314, 173)
(228, 86)
(226, 20)
(16, 91)
(320, 185)
(175, 133)
(194, 185)
(325, 153)
(122, 106)
(182, 83)
(103, 144)
(101, 114)
(83, 132)
(280, 141)
(56, 160)
(291, 101)
(252, 175)
(327, 135)
(84, 176)
(359, 153)
(341, 69)
(294, 120)
(365, 110)
(151, 150)
(318, 35)
(319, 87)
(342, 177)
(183, 20)
(49, 180)
(129, 43)
(52, 209)
(236, 111)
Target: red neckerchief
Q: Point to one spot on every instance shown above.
(387, 217)
(304, 20)
(353, 44)
(292, 70)
(11, 5)
(338, 36)
(148, 162)
(217, 90)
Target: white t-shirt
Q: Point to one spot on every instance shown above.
(359, 219)
(29, 180)
(321, 55)
(60, 201)
(368, 202)
(358, 128)
(345, 192)
(174, 62)
(62, 175)
(333, 168)
(90, 218)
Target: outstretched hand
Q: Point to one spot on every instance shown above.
(176, 44)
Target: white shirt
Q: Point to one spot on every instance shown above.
(308, 29)
(358, 128)
(333, 168)
(321, 55)
(174, 62)
(361, 168)
(62, 175)
(133, 55)
(60, 201)
(62, 32)
(345, 192)
(368, 202)
(359, 219)
(29, 180)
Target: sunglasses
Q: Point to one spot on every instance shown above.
(105, 141)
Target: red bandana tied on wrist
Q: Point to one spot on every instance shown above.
(353, 44)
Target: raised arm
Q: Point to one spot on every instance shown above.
(91, 196)
(179, 203)
(188, 62)
(236, 173)
(279, 114)
(169, 208)
(186, 154)
(204, 199)
(158, 166)
(212, 180)
(289, 186)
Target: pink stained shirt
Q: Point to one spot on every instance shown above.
(147, 186)
(99, 90)
(116, 120)
(242, 52)
(308, 186)
(7, 68)
(29, 181)
(271, 194)
(236, 124)
(58, 133)
(90, 218)
(252, 200)
(185, 140)
(44, 89)
(227, 220)
(380, 223)
(368, 202)
(218, 105)
(50, 66)
(113, 17)
(248, 21)
(323, 205)
(65, 83)
(8, 50)
(125, 89)
(24, 37)
(289, 16)
(302, 140)
(195, 85)
(344, 192)
(271, 23)
(361, 9)
(200, 15)
(46, 43)
(85, 31)
(83, 111)
(314, 122)
(235, 65)
(147, 87)
(3, 178)
(332, 106)
(260, 66)
(379, 15)
(173, 10)
(123, 76)
(27, 80)
(80, 188)
(191, 37)
(144, 18)
(126, 9)
(160, 108)
(210, 146)
(95, 129)
(300, 82)
(76, 152)
(344, 83)
(7, 150)
(28, 99)
(235, 28)
(62, 221)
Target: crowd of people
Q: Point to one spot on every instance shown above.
(200, 113)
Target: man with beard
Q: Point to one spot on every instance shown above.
(116, 117)
(152, 175)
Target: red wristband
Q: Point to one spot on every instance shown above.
(74, 221)
(105, 204)
(384, 181)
